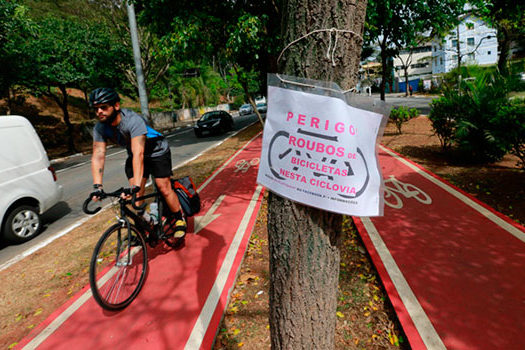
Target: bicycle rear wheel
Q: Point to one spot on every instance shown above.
(118, 267)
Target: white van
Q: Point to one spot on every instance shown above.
(28, 184)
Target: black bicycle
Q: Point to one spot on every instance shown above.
(120, 259)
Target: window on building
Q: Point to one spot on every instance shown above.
(454, 43)
(454, 57)
(488, 52)
(441, 60)
(470, 42)
(471, 56)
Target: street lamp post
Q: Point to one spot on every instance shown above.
(143, 96)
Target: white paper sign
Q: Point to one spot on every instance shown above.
(319, 151)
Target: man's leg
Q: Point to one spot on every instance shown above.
(164, 186)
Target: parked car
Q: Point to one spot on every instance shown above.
(28, 183)
(262, 107)
(212, 123)
(260, 99)
(246, 109)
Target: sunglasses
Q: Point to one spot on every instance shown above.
(102, 107)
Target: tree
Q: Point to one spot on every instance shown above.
(67, 54)
(508, 17)
(15, 26)
(395, 24)
(304, 241)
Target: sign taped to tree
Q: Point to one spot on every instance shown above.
(320, 146)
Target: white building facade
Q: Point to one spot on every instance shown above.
(477, 45)
(419, 62)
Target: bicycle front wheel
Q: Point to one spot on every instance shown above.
(118, 267)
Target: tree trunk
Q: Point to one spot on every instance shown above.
(304, 241)
(70, 130)
(384, 74)
(504, 47)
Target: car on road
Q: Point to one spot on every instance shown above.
(28, 183)
(260, 99)
(214, 122)
(246, 109)
(262, 107)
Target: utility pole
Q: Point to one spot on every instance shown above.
(143, 96)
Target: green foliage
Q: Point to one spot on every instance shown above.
(444, 114)
(66, 52)
(480, 119)
(510, 129)
(400, 115)
(396, 24)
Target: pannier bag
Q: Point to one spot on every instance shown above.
(187, 193)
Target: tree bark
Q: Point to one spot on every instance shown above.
(504, 47)
(63, 103)
(304, 241)
(384, 73)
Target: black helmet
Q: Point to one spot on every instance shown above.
(103, 95)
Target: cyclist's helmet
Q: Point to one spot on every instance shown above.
(103, 95)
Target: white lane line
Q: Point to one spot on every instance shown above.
(202, 323)
(57, 322)
(415, 310)
(482, 210)
(83, 220)
(49, 240)
(82, 299)
(226, 164)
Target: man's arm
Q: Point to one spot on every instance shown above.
(98, 160)
(138, 144)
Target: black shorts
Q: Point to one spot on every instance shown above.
(157, 166)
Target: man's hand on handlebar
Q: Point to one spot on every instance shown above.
(128, 192)
(98, 193)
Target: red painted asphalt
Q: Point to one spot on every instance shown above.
(454, 268)
(186, 290)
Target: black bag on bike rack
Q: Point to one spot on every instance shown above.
(187, 193)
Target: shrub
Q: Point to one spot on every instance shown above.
(444, 114)
(413, 112)
(510, 134)
(399, 116)
(470, 117)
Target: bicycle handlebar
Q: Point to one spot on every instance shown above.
(115, 194)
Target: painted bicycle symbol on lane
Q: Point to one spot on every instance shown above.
(407, 190)
(244, 165)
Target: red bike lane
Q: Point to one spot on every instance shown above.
(453, 267)
(186, 289)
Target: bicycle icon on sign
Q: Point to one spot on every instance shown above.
(280, 152)
(407, 190)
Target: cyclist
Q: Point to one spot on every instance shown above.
(148, 151)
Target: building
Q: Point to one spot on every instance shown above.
(477, 45)
(419, 63)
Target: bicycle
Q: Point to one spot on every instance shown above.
(119, 262)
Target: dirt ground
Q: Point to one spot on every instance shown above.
(365, 318)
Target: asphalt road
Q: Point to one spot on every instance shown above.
(74, 174)
(421, 103)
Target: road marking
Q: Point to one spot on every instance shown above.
(202, 221)
(84, 219)
(425, 328)
(202, 323)
(53, 326)
(56, 323)
(482, 210)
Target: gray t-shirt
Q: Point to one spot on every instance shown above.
(131, 125)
